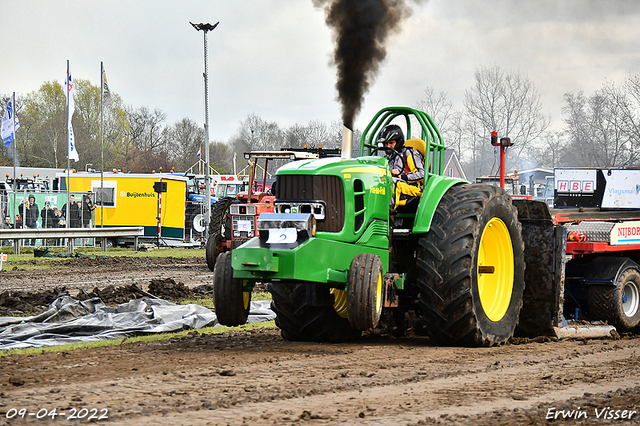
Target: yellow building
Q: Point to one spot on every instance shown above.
(132, 200)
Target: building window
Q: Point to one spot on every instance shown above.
(108, 195)
(450, 172)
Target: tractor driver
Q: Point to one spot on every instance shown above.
(406, 164)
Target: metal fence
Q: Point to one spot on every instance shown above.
(46, 210)
(69, 235)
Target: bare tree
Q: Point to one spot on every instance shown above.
(185, 138)
(298, 135)
(600, 128)
(441, 111)
(221, 157)
(509, 104)
(314, 134)
(258, 134)
(480, 158)
(627, 101)
(115, 131)
(449, 121)
(146, 127)
(149, 136)
(550, 150)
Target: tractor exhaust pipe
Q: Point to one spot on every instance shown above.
(347, 142)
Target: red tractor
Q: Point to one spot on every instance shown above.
(234, 219)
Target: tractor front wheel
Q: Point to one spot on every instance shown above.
(213, 249)
(230, 300)
(471, 267)
(300, 321)
(364, 294)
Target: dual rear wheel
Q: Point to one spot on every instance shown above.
(618, 304)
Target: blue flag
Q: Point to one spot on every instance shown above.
(8, 125)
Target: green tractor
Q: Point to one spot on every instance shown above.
(336, 256)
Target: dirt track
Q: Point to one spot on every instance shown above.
(259, 378)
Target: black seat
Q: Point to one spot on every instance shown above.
(411, 206)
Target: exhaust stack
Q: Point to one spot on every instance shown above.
(347, 142)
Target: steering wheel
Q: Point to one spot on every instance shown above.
(386, 150)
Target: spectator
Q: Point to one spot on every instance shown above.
(30, 215)
(86, 213)
(58, 222)
(47, 215)
(32, 212)
(74, 219)
(6, 224)
(87, 210)
(18, 224)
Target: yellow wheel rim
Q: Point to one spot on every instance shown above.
(495, 269)
(340, 302)
(379, 293)
(246, 296)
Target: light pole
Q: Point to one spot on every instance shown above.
(207, 198)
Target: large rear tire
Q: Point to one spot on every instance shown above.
(618, 304)
(219, 230)
(220, 221)
(364, 294)
(471, 268)
(230, 300)
(299, 321)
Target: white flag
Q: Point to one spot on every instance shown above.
(106, 93)
(73, 153)
(8, 125)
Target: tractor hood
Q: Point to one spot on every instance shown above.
(343, 187)
(336, 166)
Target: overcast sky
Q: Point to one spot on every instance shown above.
(273, 57)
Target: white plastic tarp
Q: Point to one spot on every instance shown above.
(70, 321)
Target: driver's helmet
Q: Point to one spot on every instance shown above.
(391, 132)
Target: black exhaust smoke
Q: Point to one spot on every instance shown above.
(361, 29)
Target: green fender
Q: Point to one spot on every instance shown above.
(432, 193)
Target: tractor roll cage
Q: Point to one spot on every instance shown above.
(429, 133)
